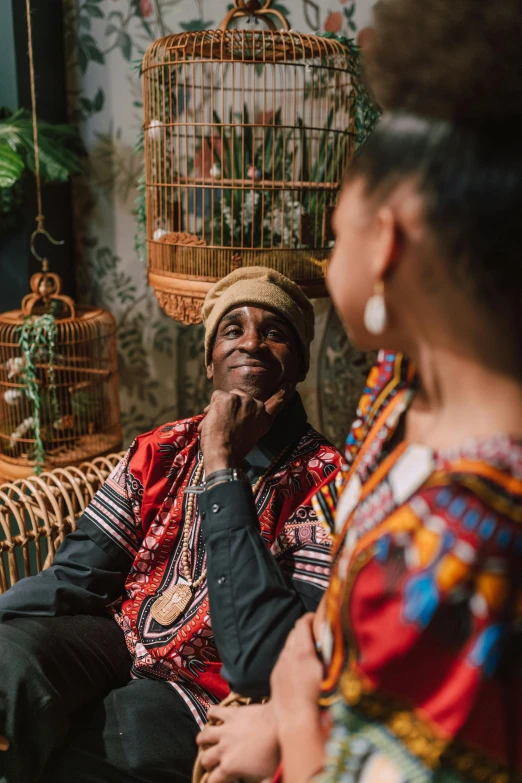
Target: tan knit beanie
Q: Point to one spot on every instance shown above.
(261, 287)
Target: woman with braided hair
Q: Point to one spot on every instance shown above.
(416, 675)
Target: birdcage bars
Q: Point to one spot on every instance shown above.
(247, 136)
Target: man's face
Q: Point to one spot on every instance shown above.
(255, 351)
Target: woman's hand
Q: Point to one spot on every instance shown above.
(296, 678)
(233, 424)
(243, 746)
(295, 687)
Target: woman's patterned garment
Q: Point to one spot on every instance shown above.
(142, 508)
(423, 637)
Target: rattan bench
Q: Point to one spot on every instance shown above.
(37, 512)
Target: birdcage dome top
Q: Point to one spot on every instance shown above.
(255, 46)
(83, 313)
(46, 289)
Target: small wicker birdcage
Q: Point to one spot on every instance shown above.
(59, 401)
(247, 134)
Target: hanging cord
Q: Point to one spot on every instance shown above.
(40, 218)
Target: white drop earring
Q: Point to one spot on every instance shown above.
(375, 315)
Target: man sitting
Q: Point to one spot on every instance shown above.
(203, 518)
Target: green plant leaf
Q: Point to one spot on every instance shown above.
(87, 51)
(11, 166)
(196, 24)
(125, 44)
(61, 149)
(83, 60)
(96, 56)
(93, 10)
(312, 14)
(99, 100)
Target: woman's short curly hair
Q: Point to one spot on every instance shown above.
(457, 60)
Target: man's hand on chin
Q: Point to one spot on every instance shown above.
(234, 423)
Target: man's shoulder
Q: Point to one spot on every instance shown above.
(313, 446)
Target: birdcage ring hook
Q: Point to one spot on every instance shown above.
(258, 10)
(47, 235)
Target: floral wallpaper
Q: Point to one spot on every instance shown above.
(161, 362)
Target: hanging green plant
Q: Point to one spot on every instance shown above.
(367, 111)
(37, 343)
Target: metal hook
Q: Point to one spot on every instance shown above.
(47, 236)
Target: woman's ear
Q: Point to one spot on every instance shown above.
(388, 243)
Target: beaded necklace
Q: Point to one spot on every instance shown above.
(173, 602)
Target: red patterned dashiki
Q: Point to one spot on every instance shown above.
(141, 507)
(423, 639)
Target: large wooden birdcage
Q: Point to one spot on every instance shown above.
(59, 396)
(247, 134)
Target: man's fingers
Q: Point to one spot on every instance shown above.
(277, 400)
(242, 394)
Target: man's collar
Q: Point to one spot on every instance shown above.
(288, 426)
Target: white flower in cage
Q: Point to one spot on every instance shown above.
(227, 215)
(251, 202)
(22, 429)
(160, 232)
(11, 396)
(14, 366)
(154, 130)
(215, 171)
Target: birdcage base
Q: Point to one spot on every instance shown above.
(182, 297)
(86, 448)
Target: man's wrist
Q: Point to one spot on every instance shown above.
(220, 460)
(224, 475)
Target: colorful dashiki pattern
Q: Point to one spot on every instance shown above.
(423, 639)
(141, 507)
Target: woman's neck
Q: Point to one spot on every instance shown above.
(460, 398)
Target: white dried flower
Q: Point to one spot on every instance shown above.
(11, 396)
(22, 429)
(14, 366)
(154, 130)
